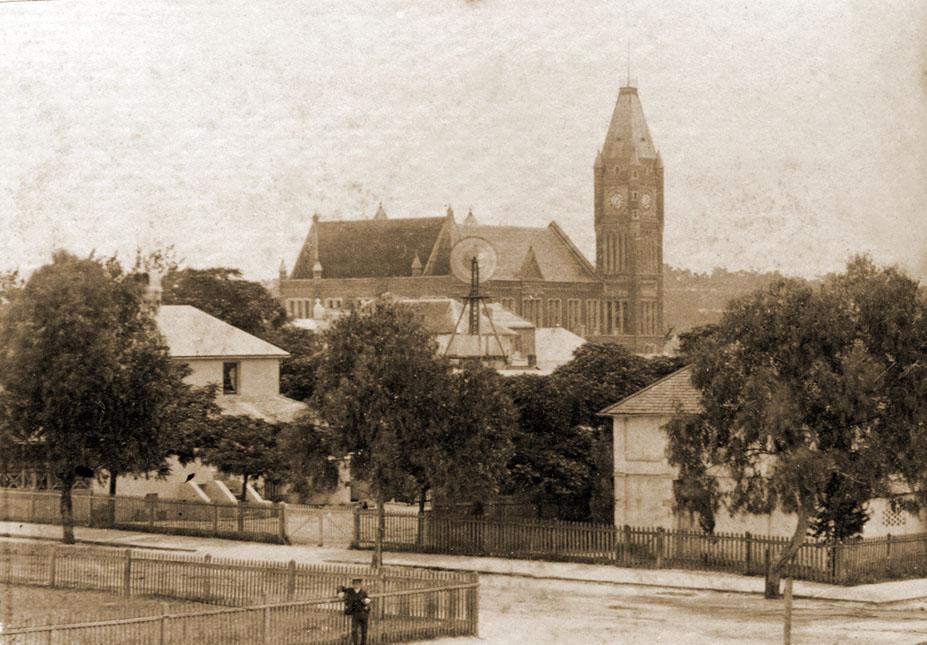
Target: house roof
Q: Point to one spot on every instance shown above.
(554, 256)
(665, 397)
(554, 346)
(440, 315)
(506, 318)
(192, 333)
(375, 248)
(273, 409)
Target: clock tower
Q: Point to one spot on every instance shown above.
(629, 229)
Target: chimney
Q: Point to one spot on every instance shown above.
(153, 291)
(316, 270)
(416, 265)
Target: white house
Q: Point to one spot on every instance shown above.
(247, 371)
(644, 478)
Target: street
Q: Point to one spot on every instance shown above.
(522, 610)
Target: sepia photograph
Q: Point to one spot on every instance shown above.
(463, 321)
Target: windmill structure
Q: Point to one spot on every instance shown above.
(473, 258)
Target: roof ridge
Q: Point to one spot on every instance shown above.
(605, 412)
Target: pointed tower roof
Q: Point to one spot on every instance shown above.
(471, 218)
(628, 134)
(416, 264)
(380, 214)
(529, 267)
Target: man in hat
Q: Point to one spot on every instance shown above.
(357, 606)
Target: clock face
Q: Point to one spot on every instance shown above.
(615, 200)
(646, 200)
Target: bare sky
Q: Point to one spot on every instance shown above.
(793, 134)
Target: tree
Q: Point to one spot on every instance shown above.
(223, 293)
(387, 398)
(467, 457)
(308, 457)
(244, 446)
(814, 400)
(85, 374)
(564, 449)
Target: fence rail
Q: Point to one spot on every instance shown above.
(296, 602)
(851, 562)
(259, 522)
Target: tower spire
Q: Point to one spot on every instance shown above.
(628, 61)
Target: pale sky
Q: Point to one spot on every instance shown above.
(793, 134)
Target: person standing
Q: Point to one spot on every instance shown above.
(357, 606)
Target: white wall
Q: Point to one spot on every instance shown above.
(644, 490)
(259, 376)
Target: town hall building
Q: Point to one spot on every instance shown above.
(540, 274)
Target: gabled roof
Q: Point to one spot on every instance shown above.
(192, 333)
(555, 346)
(506, 318)
(375, 248)
(666, 396)
(555, 258)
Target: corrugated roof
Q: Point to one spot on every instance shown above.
(373, 248)
(665, 397)
(553, 255)
(192, 333)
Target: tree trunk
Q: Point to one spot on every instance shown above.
(377, 561)
(111, 509)
(67, 513)
(775, 571)
(244, 488)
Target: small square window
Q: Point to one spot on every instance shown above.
(230, 377)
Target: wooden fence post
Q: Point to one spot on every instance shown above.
(151, 514)
(355, 544)
(321, 529)
(787, 627)
(888, 546)
(207, 584)
(281, 521)
(241, 517)
(291, 579)
(627, 544)
(32, 507)
(215, 519)
(127, 574)
(661, 534)
(51, 566)
(766, 568)
(162, 627)
(265, 624)
(748, 552)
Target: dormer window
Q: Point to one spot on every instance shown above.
(633, 195)
(230, 377)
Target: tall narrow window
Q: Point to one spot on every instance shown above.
(230, 377)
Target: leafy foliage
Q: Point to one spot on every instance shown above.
(308, 460)
(85, 374)
(814, 400)
(223, 293)
(563, 450)
(244, 446)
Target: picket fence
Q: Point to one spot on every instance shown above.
(257, 522)
(850, 562)
(258, 602)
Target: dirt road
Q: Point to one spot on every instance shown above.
(529, 612)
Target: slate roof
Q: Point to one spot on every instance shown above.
(554, 255)
(661, 398)
(628, 134)
(192, 333)
(376, 248)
